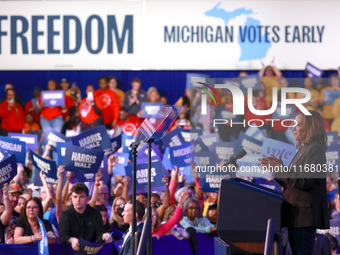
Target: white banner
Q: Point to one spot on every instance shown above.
(168, 35)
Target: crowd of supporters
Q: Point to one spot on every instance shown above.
(182, 210)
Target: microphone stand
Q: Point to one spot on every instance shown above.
(149, 216)
(134, 147)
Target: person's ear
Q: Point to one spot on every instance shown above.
(88, 198)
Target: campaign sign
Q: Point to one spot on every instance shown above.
(291, 109)
(313, 72)
(43, 243)
(332, 137)
(224, 150)
(180, 155)
(199, 148)
(116, 143)
(149, 108)
(53, 98)
(333, 230)
(212, 182)
(250, 144)
(332, 155)
(31, 140)
(95, 138)
(126, 142)
(206, 160)
(3, 154)
(48, 167)
(187, 135)
(331, 96)
(166, 159)
(123, 160)
(8, 170)
(14, 146)
(255, 132)
(61, 148)
(250, 81)
(88, 248)
(52, 137)
(194, 133)
(226, 114)
(82, 160)
(142, 154)
(210, 139)
(276, 148)
(157, 175)
(187, 173)
(174, 138)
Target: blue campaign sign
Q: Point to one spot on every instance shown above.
(180, 155)
(31, 140)
(123, 160)
(291, 109)
(210, 139)
(52, 137)
(224, 150)
(276, 148)
(212, 182)
(157, 175)
(3, 154)
(61, 148)
(174, 138)
(268, 183)
(208, 159)
(142, 153)
(53, 98)
(116, 144)
(187, 173)
(82, 160)
(313, 72)
(250, 144)
(332, 155)
(331, 96)
(187, 135)
(14, 146)
(332, 137)
(194, 133)
(43, 243)
(8, 170)
(95, 138)
(126, 142)
(193, 78)
(149, 108)
(48, 167)
(250, 81)
(200, 148)
(166, 159)
(88, 248)
(255, 132)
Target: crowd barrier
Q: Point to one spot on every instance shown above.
(167, 245)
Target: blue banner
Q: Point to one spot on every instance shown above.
(53, 98)
(200, 148)
(116, 143)
(48, 167)
(180, 155)
(82, 160)
(290, 112)
(3, 154)
(30, 140)
(332, 138)
(43, 243)
(142, 154)
(52, 137)
(61, 148)
(14, 146)
(123, 159)
(166, 159)
(189, 176)
(212, 182)
(194, 133)
(250, 81)
(126, 142)
(208, 159)
(209, 140)
(250, 144)
(276, 148)
(157, 175)
(88, 248)
(8, 170)
(255, 132)
(224, 150)
(313, 72)
(148, 108)
(331, 96)
(187, 135)
(332, 155)
(95, 138)
(174, 138)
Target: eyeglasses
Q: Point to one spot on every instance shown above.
(32, 207)
(120, 205)
(193, 208)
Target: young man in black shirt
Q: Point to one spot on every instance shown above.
(80, 220)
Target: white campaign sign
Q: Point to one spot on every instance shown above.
(168, 35)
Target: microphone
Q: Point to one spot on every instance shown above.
(233, 158)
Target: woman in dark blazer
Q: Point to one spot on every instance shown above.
(304, 206)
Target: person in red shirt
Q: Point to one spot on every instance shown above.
(12, 114)
(128, 122)
(51, 116)
(107, 101)
(89, 113)
(32, 105)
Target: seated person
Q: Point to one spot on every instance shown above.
(27, 227)
(78, 215)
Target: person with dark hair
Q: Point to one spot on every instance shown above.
(134, 97)
(304, 207)
(103, 211)
(27, 227)
(80, 220)
(12, 114)
(32, 105)
(107, 101)
(127, 216)
(113, 85)
(127, 122)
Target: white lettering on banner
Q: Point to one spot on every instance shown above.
(45, 167)
(175, 141)
(85, 158)
(53, 96)
(91, 141)
(182, 152)
(63, 151)
(92, 250)
(214, 180)
(250, 146)
(332, 157)
(53, 139)
(10, 146)
(26, 139)
(5, 173)
(142, 175)
(121, 160)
